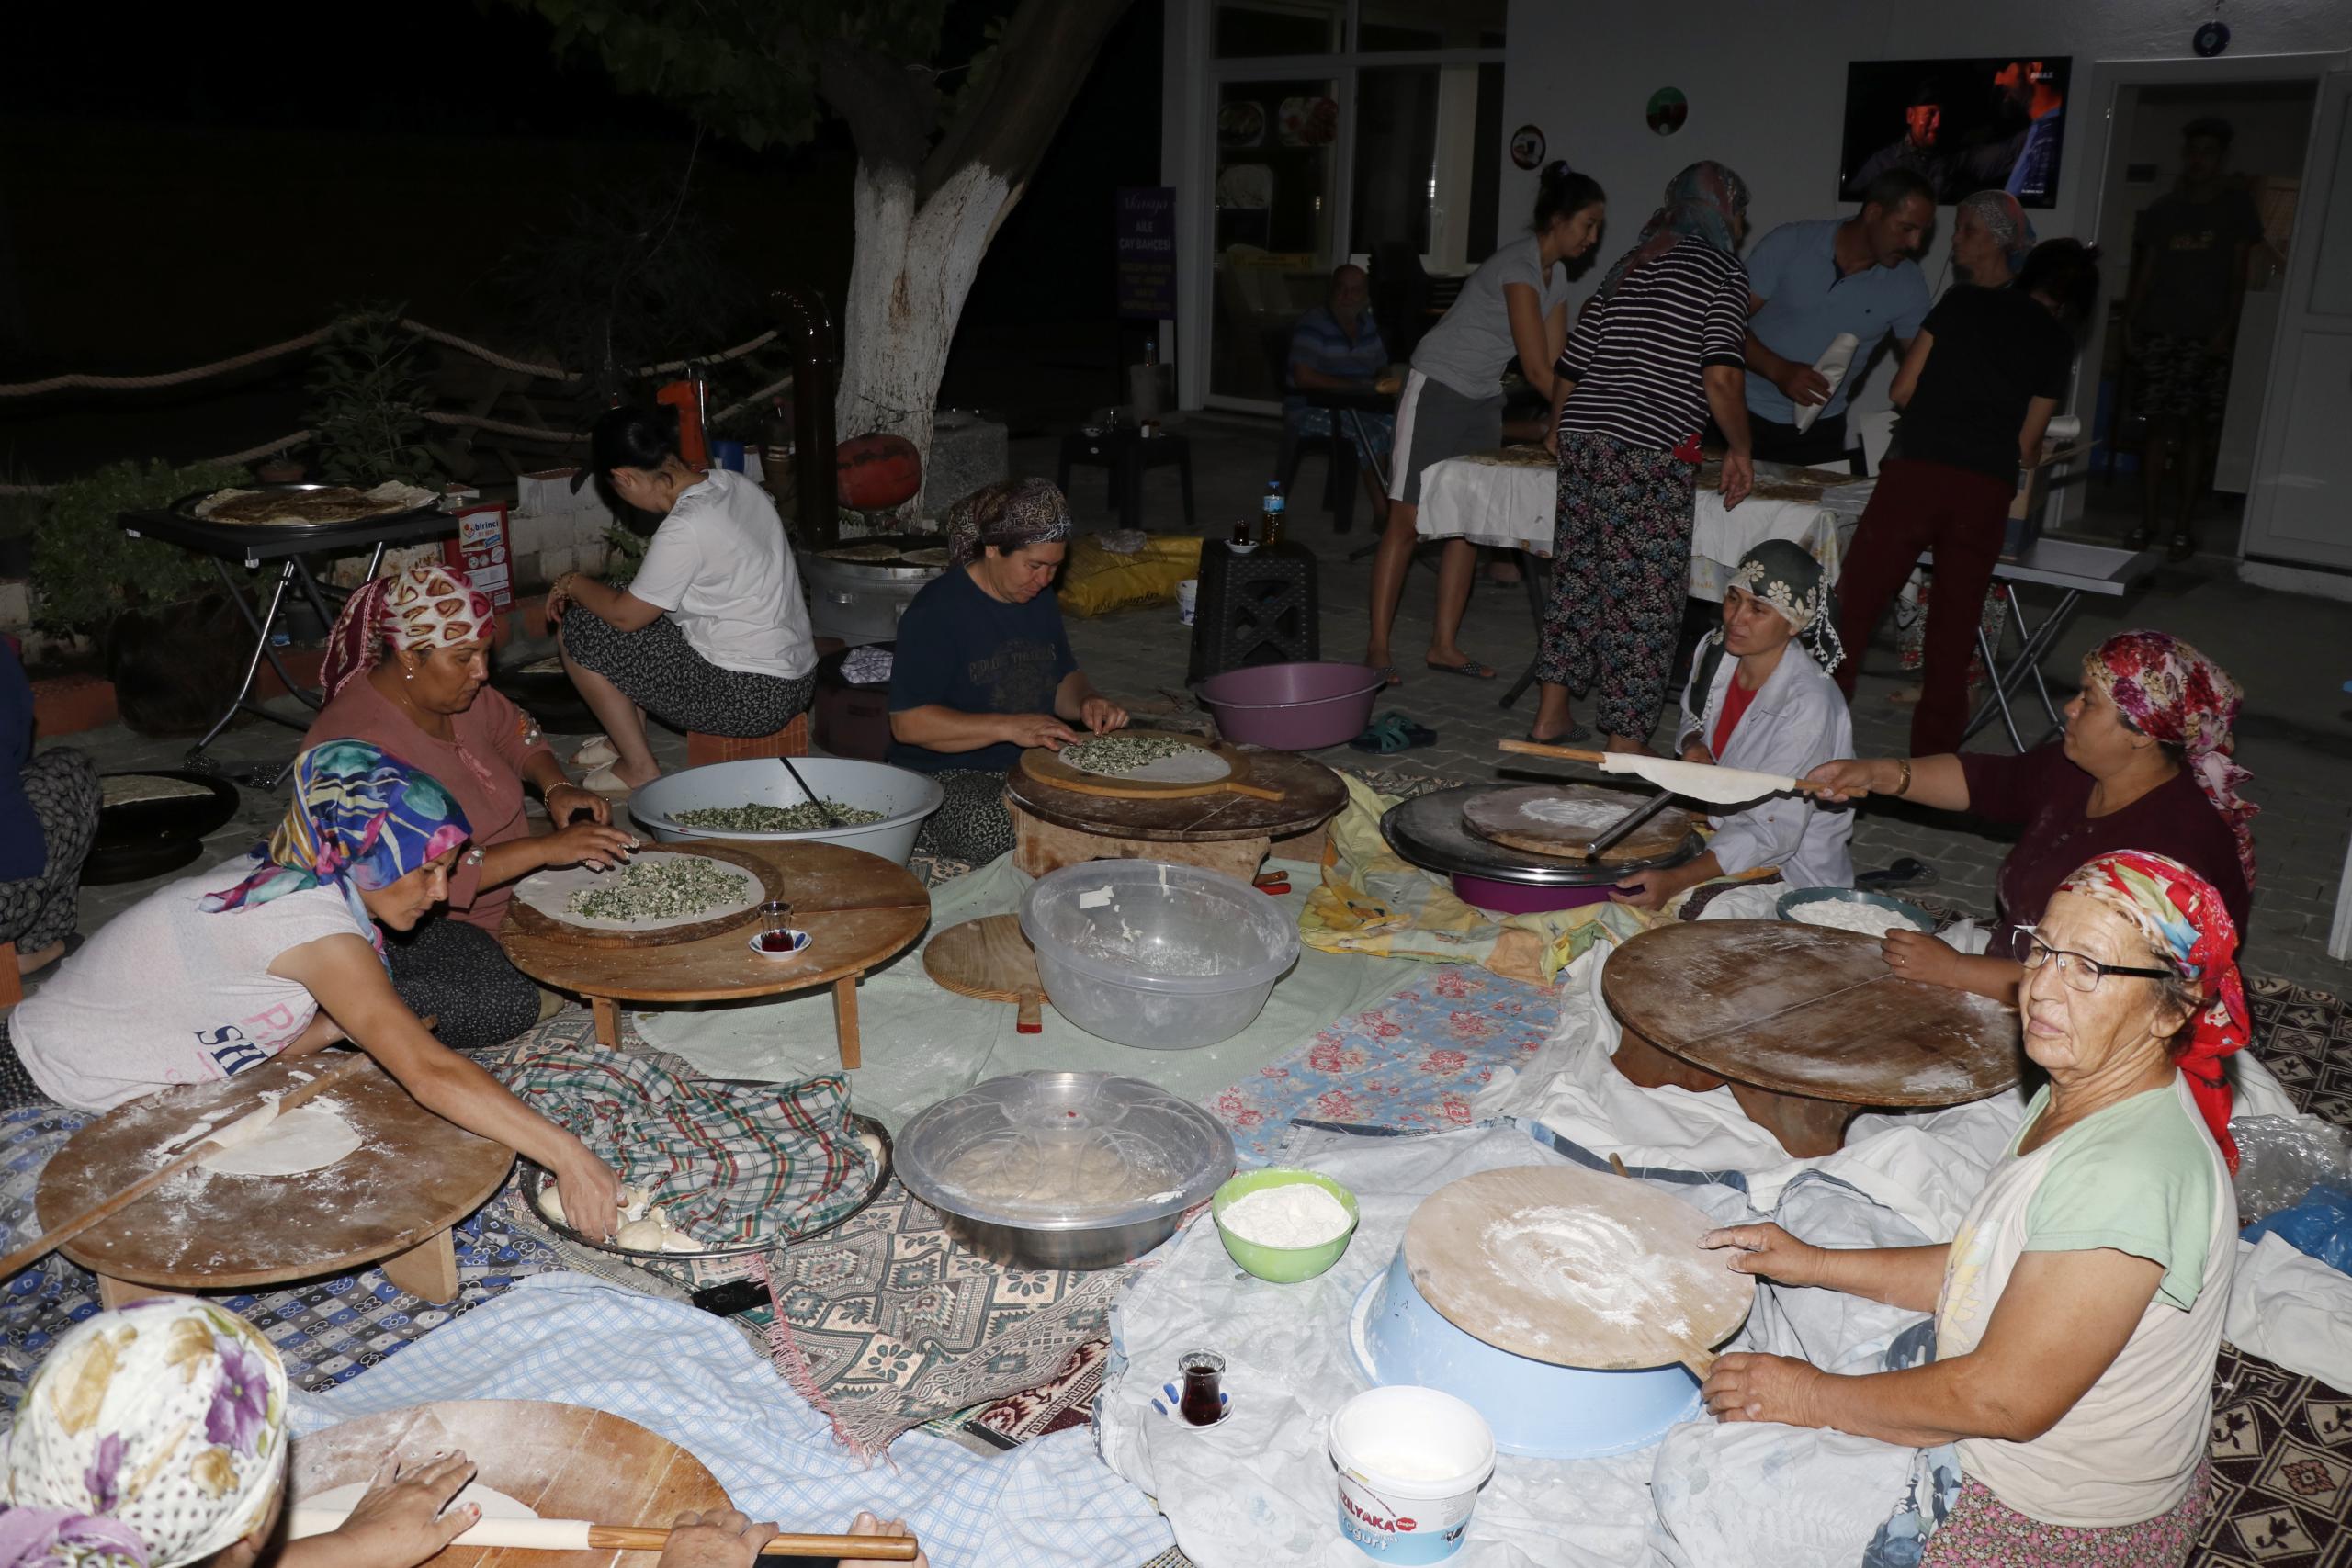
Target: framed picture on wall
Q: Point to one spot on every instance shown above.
(1996, 123)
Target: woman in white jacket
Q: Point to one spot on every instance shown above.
(1756, 702)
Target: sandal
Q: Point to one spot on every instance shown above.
(1469, 669)
(2183, 547)
(1572, 734)
(608, 783)
(599, 753)
(2139, 538)
(1392, 732)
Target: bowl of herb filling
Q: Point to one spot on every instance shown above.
(865, 806)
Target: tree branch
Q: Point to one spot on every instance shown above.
(890, 107)
(1048, 47)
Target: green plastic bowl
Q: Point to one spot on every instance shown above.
(1281, 1265)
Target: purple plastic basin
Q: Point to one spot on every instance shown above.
(1516, 898)
(1292, 707)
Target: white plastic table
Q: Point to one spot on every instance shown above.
(2073, 568)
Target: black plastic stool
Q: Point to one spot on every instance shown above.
(1259, 608)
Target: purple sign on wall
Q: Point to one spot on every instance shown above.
(1147, 242)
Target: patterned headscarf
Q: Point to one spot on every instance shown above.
(1786, 577)
(1702, 200)
(2171, 692)
(422, 606)
(1010, 514)
(2003, 219)
(2185, 922)
(154, 1435)
(361, 820)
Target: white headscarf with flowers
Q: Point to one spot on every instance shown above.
(153, 1436)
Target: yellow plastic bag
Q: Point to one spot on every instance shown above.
(1095, 581)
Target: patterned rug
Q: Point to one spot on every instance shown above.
(1054, 1407)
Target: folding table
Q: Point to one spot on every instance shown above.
(253, 544)
(2075, 569)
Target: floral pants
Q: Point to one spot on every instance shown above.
(1983, 1532)
(1621, 568)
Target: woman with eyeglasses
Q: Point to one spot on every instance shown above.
(2080, 1306)
(2144, 764)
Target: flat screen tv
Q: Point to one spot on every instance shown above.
(1997, 123)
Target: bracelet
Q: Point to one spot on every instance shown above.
(1904, 787)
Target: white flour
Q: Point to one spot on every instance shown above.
(1840, 914)
(1583, 1259)
(1301, 1214)
(1565, 811)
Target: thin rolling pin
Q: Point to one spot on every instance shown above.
(577, 1535)
(1629, 763)
(244, 1130)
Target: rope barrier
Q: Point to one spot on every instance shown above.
(247, 456)
(312, 338)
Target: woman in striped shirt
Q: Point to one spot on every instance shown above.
(1662, 344)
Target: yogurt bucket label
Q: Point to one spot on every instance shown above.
(1410, 1463)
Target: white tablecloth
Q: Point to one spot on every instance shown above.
(1510, 506)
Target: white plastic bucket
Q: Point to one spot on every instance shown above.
(1411, 1460)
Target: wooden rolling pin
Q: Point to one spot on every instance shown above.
(583, 1535)
(242, 1131)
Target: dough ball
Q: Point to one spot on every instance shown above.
(644, 1236)
(635, 1201)
(551, 1204)
(679, 1241)
(873, 1144)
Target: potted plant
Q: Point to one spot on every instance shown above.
(369, 396)
(172, 642)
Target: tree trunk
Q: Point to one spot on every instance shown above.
(914, 264)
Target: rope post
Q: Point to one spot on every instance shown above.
(801, 315)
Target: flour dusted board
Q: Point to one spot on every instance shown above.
(543, 902)
(1574, 1267)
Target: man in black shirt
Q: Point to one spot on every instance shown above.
(2190, 256)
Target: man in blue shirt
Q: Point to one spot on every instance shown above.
(1811, 281)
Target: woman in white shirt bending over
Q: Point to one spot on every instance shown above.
(712, 634)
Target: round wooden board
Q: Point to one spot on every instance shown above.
(563, 1460)
(987, 958)
(1808, 1011)
(1311, 793)
(521, 917)
(1043, 765)
(858, 908)
(1574, 1267)
(1501, 816)
(413, 1175)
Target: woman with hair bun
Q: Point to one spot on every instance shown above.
(712, 634)
(1516, 304)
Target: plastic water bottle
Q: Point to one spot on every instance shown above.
(1270, 514)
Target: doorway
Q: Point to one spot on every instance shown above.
(2188, 353)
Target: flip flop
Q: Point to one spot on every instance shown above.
(1391, 676)
(1469, 669)
(1906, 872)
(1392, 732)
(599, 753)
(608, 783)
(1573, 733)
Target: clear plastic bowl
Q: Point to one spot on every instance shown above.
(1174, 958)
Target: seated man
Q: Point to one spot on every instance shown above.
(1336, 346)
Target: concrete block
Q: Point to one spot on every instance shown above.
(556, 562)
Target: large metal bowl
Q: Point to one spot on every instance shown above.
(1063, 1171)
(903, 796)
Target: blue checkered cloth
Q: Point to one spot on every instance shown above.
(1051, 1503)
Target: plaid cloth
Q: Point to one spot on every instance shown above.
(732, 1162)
(1050, 1504)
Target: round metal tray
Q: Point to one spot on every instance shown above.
(1427, 830)
(147, 838)
(184, 509)
(535, 1181)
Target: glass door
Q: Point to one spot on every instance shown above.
(1276, 209)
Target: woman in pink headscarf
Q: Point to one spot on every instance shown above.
(407, 668)
(2143, 763)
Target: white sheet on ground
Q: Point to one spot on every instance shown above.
(1050, 1504)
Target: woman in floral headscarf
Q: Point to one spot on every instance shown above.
(983, 669)
(2143, 763)
(1753, 702)
(1662, 344)
(2080, 1306)
(154, 1435)
(280, 952)
(407, 669)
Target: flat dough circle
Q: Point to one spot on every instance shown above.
(495, 1505)
(549, 892)
(307, 1138)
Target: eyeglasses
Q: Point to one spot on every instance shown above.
(2079, 971)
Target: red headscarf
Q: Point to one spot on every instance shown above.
(2173, 694)
(2185, 923)
(422, 606)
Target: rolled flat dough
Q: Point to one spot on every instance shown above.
(549, 892)
(505, 1521)
(1699, 781)
(309, 1137)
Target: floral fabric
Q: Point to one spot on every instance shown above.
(153, 1436)
(2174, 693)
(1010, 514)
(1703, 199)
(1985, 1532)
(1621, 547)
(361, 819)
(2182, 918)
(422, 606)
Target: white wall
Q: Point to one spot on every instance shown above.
(1767, 86)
